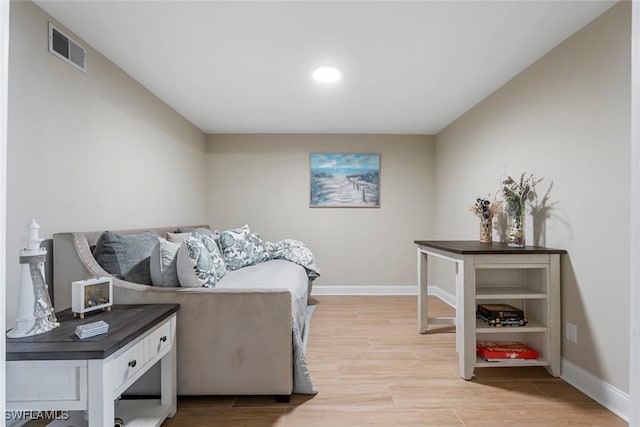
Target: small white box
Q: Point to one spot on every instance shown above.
(90, 295)
(92, 329)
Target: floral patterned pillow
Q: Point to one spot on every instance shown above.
(241, 248)
(200, 263)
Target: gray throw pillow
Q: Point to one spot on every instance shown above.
(126, 256)
(163, 264)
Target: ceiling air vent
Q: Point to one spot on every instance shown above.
(65, 48)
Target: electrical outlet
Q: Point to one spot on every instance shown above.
(571, 332)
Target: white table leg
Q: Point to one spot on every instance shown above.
(553, 307)
(168, 377)
(99, 400)
(423, 315)
(466, 324)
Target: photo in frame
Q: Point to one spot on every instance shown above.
(91, 295)
(345, 180)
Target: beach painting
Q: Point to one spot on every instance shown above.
(345, 180)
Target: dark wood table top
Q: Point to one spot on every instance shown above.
(126, 323)
(472, 247)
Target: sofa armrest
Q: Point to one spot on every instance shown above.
(72, 261)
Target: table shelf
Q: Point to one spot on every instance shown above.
(481, 363)
(491, 292)
(142, 413)
(483, 328)
(134, 413)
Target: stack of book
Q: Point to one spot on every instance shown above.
(502, 351)
(499, 315)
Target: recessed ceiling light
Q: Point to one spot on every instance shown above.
(326, 74)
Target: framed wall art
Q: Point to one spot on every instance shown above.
(345, 180)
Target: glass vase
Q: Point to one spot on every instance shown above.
(486, 230)
(515, 230)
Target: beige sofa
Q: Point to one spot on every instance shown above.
(229, 341)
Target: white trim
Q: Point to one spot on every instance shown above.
(364, 290)
(634, 226)
(443, 295)
(373, 290)
(4, 106)
(602, 392)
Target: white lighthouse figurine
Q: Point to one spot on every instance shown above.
(35, 313)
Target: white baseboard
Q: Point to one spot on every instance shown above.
(445, 296)
(364, 290)
(602, 392)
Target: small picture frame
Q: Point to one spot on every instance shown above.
(91, 295)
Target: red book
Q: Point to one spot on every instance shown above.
(505, 350)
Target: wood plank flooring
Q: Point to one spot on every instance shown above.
(373, 369)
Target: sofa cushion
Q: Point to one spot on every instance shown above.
(163, 263)
(200, 263)
(241, 248)
(177, 237)
(211, 233)
(126, 256)
(273, 274)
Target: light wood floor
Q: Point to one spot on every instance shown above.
(373, 369)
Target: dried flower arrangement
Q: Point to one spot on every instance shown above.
(485, 208)
(516, 192)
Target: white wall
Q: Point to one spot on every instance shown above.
(565, 118)
(263, 180)
(90, 151)
(4, 58)
(634, 374)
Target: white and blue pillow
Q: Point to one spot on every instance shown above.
(241, 248)
(200, 263)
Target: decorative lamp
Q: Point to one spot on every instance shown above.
(35, 312)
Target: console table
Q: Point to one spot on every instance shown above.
(527, 278)
(58, 371)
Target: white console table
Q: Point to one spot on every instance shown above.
(528, 278)
(58, 371)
